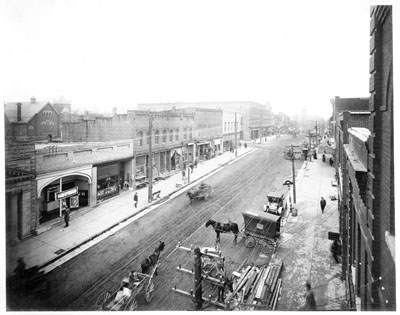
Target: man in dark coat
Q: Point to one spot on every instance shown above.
(310, 299)
(135, 199)
(323, 204)
(66, 217)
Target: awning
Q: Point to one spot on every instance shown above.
(203, 142)
(217, 141)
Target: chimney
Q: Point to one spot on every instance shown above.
(19, 118)
(33, 100)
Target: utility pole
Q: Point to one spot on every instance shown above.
(316, 133)
(260, 125)
(236, 145)
(150, 195)
(198, 294)
(293, 176)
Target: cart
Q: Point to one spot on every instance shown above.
(136, 283)
(261, 228)
(201, 193)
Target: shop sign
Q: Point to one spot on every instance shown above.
(74, 202)
(67, 193)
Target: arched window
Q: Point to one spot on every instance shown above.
(157, 137)
(191, 133)
(140, 138)
(164, 136)
(177, 135)
(171, 135)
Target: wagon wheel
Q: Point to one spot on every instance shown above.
(149, 291)
(102, 299)
(250, 241)
(132, 305)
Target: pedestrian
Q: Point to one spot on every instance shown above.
(310, 299)
(335, 250)
(323, 204)
(135, 199)
(183, 175)
(191, 167)
(245, 145)
(66, 217)
(331, 161)
(195, 163)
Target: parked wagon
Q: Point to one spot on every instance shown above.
(261, 228)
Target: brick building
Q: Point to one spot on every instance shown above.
(31, 121)
(381, 287)
(365, 165)
(255, 119)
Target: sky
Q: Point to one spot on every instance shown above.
(101, 54)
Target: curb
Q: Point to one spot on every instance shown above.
(156, 203)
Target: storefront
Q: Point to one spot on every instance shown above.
(51, 197)
(203, 150)
(108, 179)
(176, 159)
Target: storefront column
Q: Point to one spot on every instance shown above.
(132, 179)
(93, 188)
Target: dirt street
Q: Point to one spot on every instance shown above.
(243, 185)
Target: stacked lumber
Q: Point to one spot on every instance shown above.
(256, 287)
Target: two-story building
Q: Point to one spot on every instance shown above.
(31, 120)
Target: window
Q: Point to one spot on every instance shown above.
(47, 113)
(225, 126)
(177, 135)
(190, 134)
(164, 136)
(140, 138)
(157, 137)
(171, 135)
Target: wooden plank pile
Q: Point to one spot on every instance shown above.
(256, 288)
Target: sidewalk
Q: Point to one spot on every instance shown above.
(305, 247)
(57, 243)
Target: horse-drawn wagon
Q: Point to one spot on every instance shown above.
(124, 298)
(261, 228)
(202, 192)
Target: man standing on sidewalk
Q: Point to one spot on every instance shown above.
(66, 217)
(135, 199)
(323, 204)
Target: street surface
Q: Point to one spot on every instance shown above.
(243, 185)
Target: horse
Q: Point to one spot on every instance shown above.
(152, 260)
(224, 228)
(191, 196)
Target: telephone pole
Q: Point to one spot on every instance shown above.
(150, 195)
(236, 146)
(293, 176)
(260, 125)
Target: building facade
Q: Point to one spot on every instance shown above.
(365, 168)
(32, 121)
